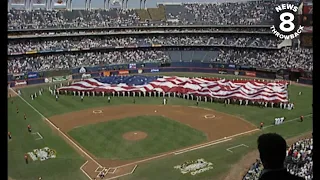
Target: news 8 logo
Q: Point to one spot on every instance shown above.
(286, 24)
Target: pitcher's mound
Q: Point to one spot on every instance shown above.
(134, 135)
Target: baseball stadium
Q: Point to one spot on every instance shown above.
(145, 90)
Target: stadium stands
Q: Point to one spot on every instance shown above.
(23, 46)
(298, 161)
(236, 13)
(240, 13)
(284, 58)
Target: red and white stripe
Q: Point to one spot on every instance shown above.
(232, 89)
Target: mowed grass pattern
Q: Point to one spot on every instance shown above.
(66, 166)
(105, 140)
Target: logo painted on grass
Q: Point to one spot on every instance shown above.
(286, 22)
(42, 154)
(194, 167)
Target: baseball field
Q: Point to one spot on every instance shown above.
(141, 140)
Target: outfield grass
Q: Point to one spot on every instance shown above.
(158, 169)
(105, 140)
(65, 166)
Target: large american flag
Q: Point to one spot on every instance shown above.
(210, 87)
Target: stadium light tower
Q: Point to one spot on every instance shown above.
(127, 4)
(30, 4)
(85, 5)
(104, 4)
(90, 5)
(48, 4)
(141, 3)
(122, 4)
(70, 5)
(144, 4)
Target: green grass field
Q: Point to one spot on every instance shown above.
(67, 163)
(161, 131)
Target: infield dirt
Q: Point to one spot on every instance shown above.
(216, 125)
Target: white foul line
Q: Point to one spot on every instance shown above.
(40, 137)
(166, 154)
(81, 168)
(200, 147)
(233, 147)
(134, 168)
(53, 125)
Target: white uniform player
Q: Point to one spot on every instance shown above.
(164, 101)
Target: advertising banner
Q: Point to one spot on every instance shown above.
(20, 83)
(222, 72)
(32, 75)
(35, 81)
(106, 73)
(85, 76)
(60, 3)
(48, 80)
(154, 70)
(18, 2)
(18, 76)
(39, 2)
(16, 53)
(250, 73)
(31, 52)
(232, 66)
(44, 51)
(123, 72)
(132, 66)
(59, 78)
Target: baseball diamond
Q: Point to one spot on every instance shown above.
(157, 90)
(93, 126)
(223, 126)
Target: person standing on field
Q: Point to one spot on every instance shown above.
(9, 135)
(25, 116)
(26, 158)
(81, 98)
(301, 118)
(29, 128)
(261, 125)
(109, 99)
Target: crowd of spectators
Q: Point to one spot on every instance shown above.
(42, 19)
(296, 58)
(67, 61)
(231, 13)
(111, 41)
(284, 58)
(254, 171)
(298, 161)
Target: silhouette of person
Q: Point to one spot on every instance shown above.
(272, 148)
